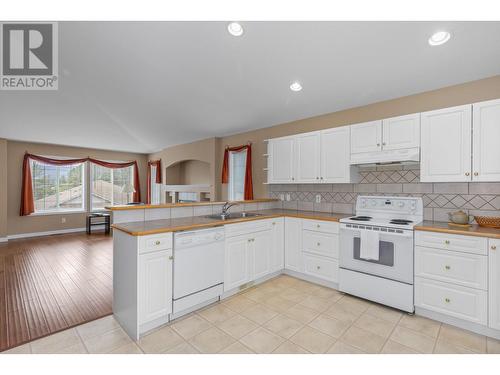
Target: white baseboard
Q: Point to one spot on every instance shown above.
(48, 233)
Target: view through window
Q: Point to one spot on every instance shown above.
(155, 188)
(58, 188)
(237, 167)
(110, 186)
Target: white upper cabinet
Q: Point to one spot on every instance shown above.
(308, 157)
(486, 141)
(446, 145)
(366, 137)
(401, 132)
(281, 160)
(335, 154)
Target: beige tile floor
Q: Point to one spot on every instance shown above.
(283, 315)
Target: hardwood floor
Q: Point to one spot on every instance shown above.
(51, 283)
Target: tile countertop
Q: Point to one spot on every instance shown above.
(143, 228)
(473, 230)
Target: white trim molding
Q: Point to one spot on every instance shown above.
(4, 239)
(48, 233)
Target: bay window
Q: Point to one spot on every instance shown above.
(58, 188)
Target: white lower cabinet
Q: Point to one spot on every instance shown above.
(278, 244)
(453, 300)
(494, 291)
(155, 285)
(237, 267)
(322, 267)
(293, 241)
(253, 250)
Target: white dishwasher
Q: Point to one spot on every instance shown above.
(198, 269)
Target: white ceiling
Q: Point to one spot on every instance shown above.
(143, 86)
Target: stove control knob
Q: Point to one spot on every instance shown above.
(374, 203)
(401, 204)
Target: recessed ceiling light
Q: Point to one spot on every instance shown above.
(441, 37)
(295, 86)
(235, 29)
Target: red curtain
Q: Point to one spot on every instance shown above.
(157, 164)
(248, 193)
(27, 203)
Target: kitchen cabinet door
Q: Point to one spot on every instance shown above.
(446, 145)
(237, 267)
(261, 248)
(366, 137)
(335, 155)
(293, 241)
(278, 245)
(494, 283)
(281, 160)
(155, 285)
(401, 132)
(486, 141)
(308, 157)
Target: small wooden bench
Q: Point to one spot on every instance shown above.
(97, 219)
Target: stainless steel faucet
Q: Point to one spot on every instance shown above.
(226, 208)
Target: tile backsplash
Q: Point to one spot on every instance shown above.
(476, 198)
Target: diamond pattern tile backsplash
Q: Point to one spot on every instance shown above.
(475, 198)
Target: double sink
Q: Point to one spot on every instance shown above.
(229, 216)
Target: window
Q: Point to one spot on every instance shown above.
(110, 186)
(237, 168)
(155, 188)
(58, 188)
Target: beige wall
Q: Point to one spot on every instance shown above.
(446, 97)
(204, 150)
(3, 188)
(29, 224)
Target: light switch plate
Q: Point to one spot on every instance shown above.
(318, 198)
(282, 197)
(288, 197)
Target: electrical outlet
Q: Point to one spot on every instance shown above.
(282, 197)
(63, 220)
(288, 197)
(318, 198)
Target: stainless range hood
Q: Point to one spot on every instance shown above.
(386, 156)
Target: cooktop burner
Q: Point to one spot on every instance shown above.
(400, 221)
(361, 218)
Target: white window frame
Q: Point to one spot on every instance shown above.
(231, 192)
(92, 209)
(155, 188)
(59, 210)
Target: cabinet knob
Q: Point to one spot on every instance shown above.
(321, 178)
(447, 242)
(493, 247)
(157, 243)
(274, 223)
(383, 143)
(318, 267)
(447, 300)
(319, 243)
(447, 267)
(171, 257)
(378, 144)
(476, 174)
(467, 173)
(318, 226)
(293, 178)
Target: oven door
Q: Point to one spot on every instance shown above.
(395, 253)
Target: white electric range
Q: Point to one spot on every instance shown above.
(376, 250)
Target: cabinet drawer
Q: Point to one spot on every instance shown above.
(456, 242)
(324, 268)
(238, 229)
(329, 227)
(155, 242)
(320, 243)
(453, 300)
(468, 270)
